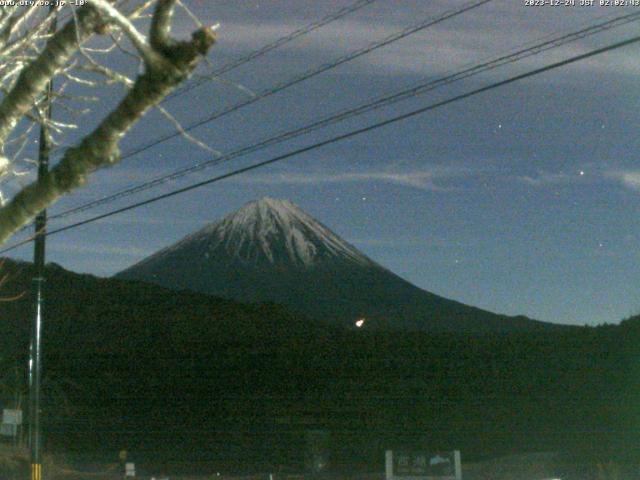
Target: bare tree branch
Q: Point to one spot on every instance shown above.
(113, 15)
(161, 24)
(167, 63)
(34, 78)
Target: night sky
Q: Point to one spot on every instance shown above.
(520, 200)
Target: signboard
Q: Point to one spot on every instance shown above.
(8, 430)
(129, 469)
(318, 448)
(422, 465)
(12, 416)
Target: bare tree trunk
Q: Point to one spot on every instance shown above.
(167, 63)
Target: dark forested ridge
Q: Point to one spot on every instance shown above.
(136, 366)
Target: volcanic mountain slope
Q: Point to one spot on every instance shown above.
(271, 250)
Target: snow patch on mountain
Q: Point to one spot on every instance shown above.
(271, 230)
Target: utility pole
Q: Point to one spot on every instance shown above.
(35, 354)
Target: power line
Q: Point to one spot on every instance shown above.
(343, 136)
(275, 44)
(332, 17)
(367, 107)
(431, 21)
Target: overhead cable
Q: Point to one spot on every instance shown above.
(342, 137)
(345, 114)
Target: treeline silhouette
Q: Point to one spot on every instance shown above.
(192, 380)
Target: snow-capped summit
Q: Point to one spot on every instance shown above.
(272, 251)
(272, 231)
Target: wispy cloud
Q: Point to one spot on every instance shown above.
(404, 242)
(438, 49)
(629, 178)
(100, 249)
(388, 242)
(416, 54)
(543, 179)
(421, 179)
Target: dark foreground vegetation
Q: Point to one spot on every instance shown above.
(192, 382)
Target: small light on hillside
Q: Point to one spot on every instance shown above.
(360, 323)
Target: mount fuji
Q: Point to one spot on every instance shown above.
(272, 251)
